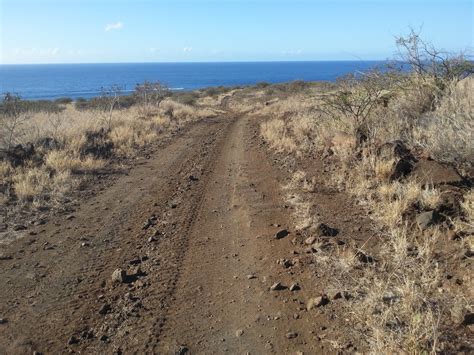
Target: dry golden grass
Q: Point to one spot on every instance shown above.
(468, 205)
(30, 183)
(69, 128)
(5, 170)
(64, 161)
(399, 303)
(454, 117)
(276, 133)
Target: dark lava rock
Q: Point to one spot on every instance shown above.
(149, 222)
(72, 340)
(317, 302)
(19, 154)
(5, 257)
(97, 144)
(324, 230)
(431, 172)
(277, 286)
(106, 308)
(426, 219)
(281, 234)
(181, 350)
(398, 152)
(364, 258)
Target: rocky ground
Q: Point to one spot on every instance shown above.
(194, 250)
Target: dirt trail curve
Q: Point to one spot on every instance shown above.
(193, 228)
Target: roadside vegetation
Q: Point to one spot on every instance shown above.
(399, 142)
(402, 144)
(48, 149)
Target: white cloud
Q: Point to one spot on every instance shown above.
(187, 49)
(154, 50)
(44, 52)
(292, 52)
(114, 26)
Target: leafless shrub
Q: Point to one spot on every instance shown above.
(149, 96)
(428, 61)
(357, 97)
(12, 119)
(109, 101)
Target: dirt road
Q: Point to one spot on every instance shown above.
(193, 227)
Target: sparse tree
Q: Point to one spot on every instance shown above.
(429, 62)
(149, 96)
(357, 96)
(109, 100)
(12, 118)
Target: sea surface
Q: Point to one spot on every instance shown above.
(51, 81)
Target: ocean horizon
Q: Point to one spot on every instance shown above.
(52, 81)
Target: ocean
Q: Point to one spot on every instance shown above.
(51, 81)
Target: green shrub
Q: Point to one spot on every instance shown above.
(186, 98)
(262, 85)
(63, 100)
(81, 104)
(24, 106)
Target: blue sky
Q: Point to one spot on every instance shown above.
(81, 31)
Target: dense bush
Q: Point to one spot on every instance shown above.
(217, 90)
(186, 98)
(262, 85)
(31, 106)
(63, 100)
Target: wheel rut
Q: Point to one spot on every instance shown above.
(193, 227)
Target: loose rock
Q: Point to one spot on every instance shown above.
(364, 258)
(72, 340)
(19, 227)
(310, 240)
(281, 234)
(291, 335)
(295, 287)
(119, 276)
(5, 257)
(426, 219)
(334, 295)
(277, 286)
(135, 261)
(431, 172)
(105, 309)
(285, 263)
(398, 152)
(181, 350)
(324, 230)
(149, 222)
(317, 302)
